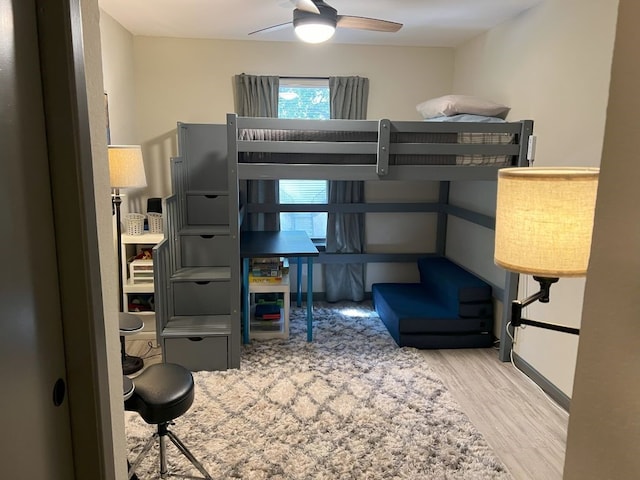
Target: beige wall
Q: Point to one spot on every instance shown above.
(551, 64)
(604, 428)
(119, 81)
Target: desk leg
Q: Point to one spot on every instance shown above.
(245, 300)
(309, 299)
(299, 283)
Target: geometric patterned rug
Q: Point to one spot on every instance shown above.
(349, 405)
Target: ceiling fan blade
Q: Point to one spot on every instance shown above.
(306, 6)
(272, 28)
(365, 23)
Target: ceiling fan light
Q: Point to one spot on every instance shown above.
(313, 27)
(314, 32)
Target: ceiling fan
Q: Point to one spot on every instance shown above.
(314, 21)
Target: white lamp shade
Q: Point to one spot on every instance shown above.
(126, 167)
(314, 32)
(544, 220)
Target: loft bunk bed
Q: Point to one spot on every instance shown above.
(382, 150)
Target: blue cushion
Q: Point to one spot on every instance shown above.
(451, 283)
(410, 308)
(449, 308)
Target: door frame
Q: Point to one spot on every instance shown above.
(69, 149)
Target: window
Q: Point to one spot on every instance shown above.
(304, 191)
(304, 98)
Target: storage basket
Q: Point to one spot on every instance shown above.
(134, 223)
(155, 222)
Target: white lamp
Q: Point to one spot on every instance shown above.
(315, 27)
(544, 221)
(126, 167)
(126, 170)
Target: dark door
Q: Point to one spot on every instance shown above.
(34, 403)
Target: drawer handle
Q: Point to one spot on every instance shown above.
(195, 339)
(203, 282)
(207, 236)
(211, 196)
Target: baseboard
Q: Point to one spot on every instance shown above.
(549, 388)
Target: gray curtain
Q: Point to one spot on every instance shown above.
(345, 231)
(257, 96)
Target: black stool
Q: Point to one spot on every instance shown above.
(163, 392)
(129, 324)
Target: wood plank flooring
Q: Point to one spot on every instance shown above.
(526, 429)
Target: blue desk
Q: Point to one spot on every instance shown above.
(295, 244)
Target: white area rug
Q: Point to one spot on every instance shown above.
(349, 405)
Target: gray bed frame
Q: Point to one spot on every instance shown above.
(382, 168)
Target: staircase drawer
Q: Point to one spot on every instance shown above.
(205, 250)
(207, 209)
(202, 298)
(197, 353)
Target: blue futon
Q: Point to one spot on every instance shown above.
(449, 308)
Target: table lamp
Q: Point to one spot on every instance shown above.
(126, 170)
(544, 222)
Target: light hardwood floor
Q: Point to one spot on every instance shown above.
(526, 430)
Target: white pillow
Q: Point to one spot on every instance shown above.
(449, 105)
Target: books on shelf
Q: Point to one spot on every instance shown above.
(276, 298)
(269, 267)
(267, 311)
(275, 280)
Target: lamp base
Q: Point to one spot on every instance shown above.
(131, 364)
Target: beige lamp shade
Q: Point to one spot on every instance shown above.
(126, 167)
(544, 220)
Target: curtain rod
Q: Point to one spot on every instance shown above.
(293, 77)
(303, 78)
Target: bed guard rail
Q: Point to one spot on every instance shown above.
(381, 142)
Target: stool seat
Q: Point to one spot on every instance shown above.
(129, 323)
(163, 392)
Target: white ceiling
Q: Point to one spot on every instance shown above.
(435, 23)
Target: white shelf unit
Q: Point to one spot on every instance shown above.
(282, 330)
(130, 245)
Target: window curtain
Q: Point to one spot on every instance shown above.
(257, 96)
(345, 231)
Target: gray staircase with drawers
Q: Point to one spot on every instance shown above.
(197, 265)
